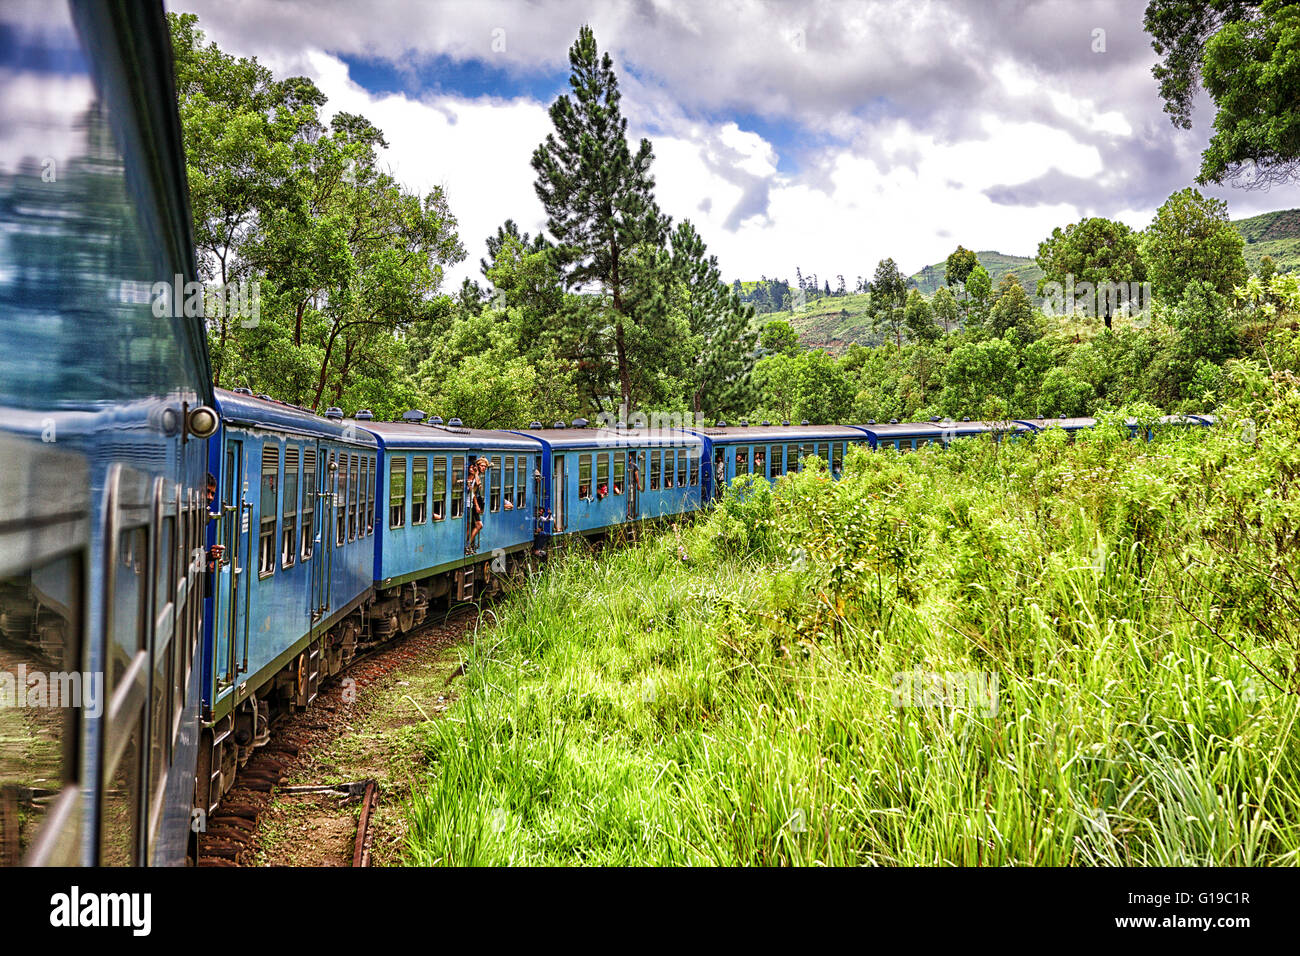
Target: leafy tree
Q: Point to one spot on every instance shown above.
(919, 318)
(961, 262)
(1192, 239)
(1063, 394)
(1100, 251)
(1244, 54)
(822, 394)
(945, 308)
(1012, 311)
(778, 336)
(978, 371)
(598, 195)
(978, 289)
(1206, 331)
(888, 299)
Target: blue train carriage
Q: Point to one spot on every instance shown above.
(421, 558)
(295, 521)
(1070, 425)
(770, 451)
(905, 437)
(104, 408)
(597, 479)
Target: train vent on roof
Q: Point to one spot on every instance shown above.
(365, 415)
(720, 424)
(413, 415)
(265, 397)
(893, 421)
(456, 423)
(804, 422)
(243, 391)
(534, 424)
(334, 413)
(435, 420)
(785, 422)
(765, 423)
(744, 423)
(579, 423)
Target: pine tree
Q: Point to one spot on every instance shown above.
(598, 194)
(721, 338)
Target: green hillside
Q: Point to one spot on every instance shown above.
(836, 322)
(1275, 234)
(997, 264)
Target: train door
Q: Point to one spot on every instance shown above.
(719, 472)
(232, 590)
(331, 502)
(633, 492)
(560, 490)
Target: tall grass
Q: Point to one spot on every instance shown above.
(741, 705)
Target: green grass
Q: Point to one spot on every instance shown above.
(739, 707)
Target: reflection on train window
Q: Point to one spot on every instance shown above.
(289, 524)
(370, 497)
(354, 494)
(397, 492)
(439, 489)
(457, 486)
(521, 482)
(494, 484)
(681, 468)
(791, 458)
(695, 467)
(419, 489)
(584, 476)
(620, 471)
(837, 458)
(124, 715)
(266, 541)
(654, 471)
(508, 483)
(308, 501)
(41, 632)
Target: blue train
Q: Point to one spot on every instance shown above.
(180, 564)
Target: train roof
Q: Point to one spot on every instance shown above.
(731, 434)
(1069, 424)
(281, 416)
(941, 429)
(422, 435)
(602, 437)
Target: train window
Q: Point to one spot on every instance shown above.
(508, 484)
(654, 471)
(719, 471)
(742, 460)
(439, 489)
(584, 476)
(494, 484)
(602, 474)
(791, 458)
(760, 461)
(308, 501)
(620, 471)
(695, 467)
(457, 486)
(669, 468)
(341, 501)
(837, 458)
(370, 498)
(363, 522)
(354, 492)
(289, 522)
(125, 690)
(397, 492)
(42, 623)
(521, 482)
(266, 542)
(419, 490)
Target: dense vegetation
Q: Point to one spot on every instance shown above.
(733, 693)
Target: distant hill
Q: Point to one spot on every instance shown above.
(996, 264)
(1275, 234)
(836, 322)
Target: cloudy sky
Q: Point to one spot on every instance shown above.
(825, 135)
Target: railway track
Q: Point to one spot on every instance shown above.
(229, 838)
